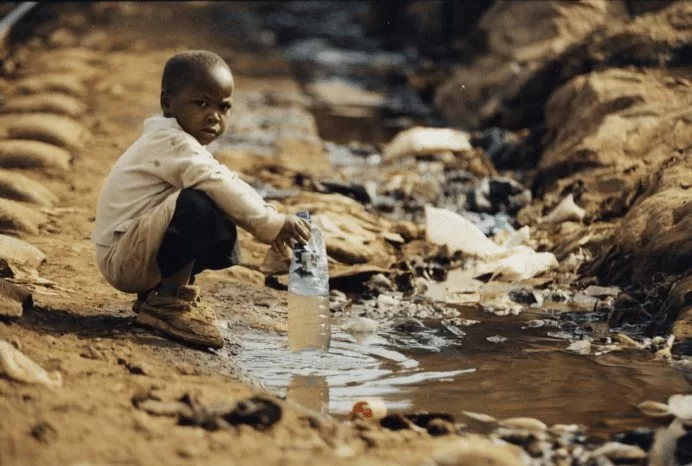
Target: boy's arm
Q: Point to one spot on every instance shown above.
(236, 198)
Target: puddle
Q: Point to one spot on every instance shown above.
(528, 374)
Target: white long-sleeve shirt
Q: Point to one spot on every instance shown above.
(166, 159)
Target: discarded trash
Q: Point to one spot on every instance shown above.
(681, 406)
(371, 408)
(16, 366)
(360, 325)
(580, 347)
(497, 339)
(565, 210)
(654, 409)
(458, 234)
(426, 141)
(602, 291)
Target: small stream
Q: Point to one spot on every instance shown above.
(500, 366)
(432, 369)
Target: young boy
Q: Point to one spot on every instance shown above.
(169, 210)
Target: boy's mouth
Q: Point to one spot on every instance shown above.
(210, 131)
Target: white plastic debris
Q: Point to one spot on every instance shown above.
(360, 325)
(580, 347)
(16, 366)
(426, 141)
(565, 211)
(444, 227)
(602, 291)
(371, 408)
(497, 339)
(681, 406)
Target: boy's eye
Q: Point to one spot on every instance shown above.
(226, 107)
(200, 103)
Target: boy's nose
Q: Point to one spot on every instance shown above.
(213, 117)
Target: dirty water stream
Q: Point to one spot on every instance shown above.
(432, 369)
(500, 366)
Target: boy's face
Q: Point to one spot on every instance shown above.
(202, 106)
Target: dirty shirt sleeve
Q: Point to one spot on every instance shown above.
(194, 167)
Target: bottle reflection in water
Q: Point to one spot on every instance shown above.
(309, 391)
(309, 324)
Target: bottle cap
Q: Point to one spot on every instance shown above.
(304, 214)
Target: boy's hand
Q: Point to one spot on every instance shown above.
(294, 229)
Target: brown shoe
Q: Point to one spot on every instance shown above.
(179, 319)
(190, 294)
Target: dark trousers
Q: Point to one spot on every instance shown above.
(198, 231)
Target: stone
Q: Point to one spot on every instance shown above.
(33, 154)
(57, 130)
(18, 258)
(17, 217)
(18, 187)
(56, 103)
(66, 83)
(13, 300)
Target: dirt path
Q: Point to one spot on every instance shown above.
(83, 328)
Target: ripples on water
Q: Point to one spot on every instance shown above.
(530, 374)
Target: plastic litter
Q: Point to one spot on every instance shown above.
(17, 366)
(580, 347)
(370, 408)
(566, 210)
(426, 141)
(518, 262)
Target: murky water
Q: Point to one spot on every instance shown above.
(435, 370)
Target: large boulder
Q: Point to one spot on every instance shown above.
(521, 38)
(610, 130)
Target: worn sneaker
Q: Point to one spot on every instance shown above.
(190, 294)
(180, 319)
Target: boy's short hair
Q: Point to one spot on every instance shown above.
(179, 67)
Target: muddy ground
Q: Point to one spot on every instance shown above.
(78, 325)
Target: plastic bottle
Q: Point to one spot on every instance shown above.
(309, 326)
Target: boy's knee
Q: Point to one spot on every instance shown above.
(194, 200)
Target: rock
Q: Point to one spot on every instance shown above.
(480, 417)
(16, 366)
(33, 154)
(13, 300)
(91, 352)
(602, 291)
(476, 450)
(18, 187)
(360, 325)
(139, 368)
(340, 93)
(19, 258)
(521, 39)
(66, 83)
(525, 423)
(62, 37)
(619, 452)
(58, 130)
(246, 275)
(44, 432)
(16, 217)
(56, 103)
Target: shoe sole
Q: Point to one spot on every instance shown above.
(150, 321)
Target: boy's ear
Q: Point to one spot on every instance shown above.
(165, 102)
